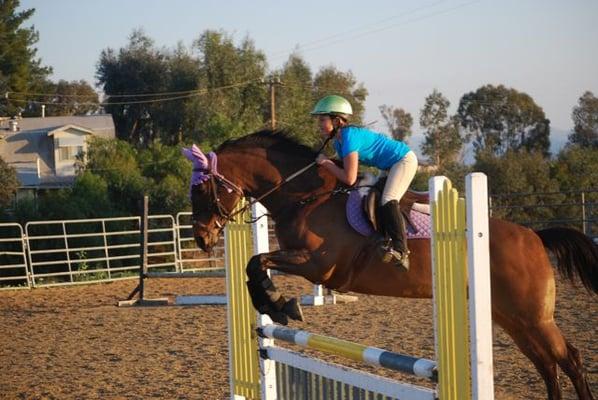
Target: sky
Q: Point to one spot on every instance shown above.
(401, 50)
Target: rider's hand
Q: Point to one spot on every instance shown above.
(321, 159)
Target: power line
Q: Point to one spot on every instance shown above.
(417, 19)
(372, 31)
(103, 104)
(95, 94)
(357, 29)
(193, 93)
(50, 94)
(313, 45)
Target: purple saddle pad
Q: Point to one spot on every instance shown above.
(359, 221)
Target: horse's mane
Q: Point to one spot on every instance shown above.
(268, 139)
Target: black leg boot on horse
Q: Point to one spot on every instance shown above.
(393, 225)
(266, 298)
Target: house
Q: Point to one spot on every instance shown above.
(43, 150)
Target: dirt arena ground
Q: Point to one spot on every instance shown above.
(74, 343)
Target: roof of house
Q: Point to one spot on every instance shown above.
(101, 125)
(32, 141)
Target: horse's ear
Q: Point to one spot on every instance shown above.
(187, 153)
(195, 155)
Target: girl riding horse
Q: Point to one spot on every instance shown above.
(354, 145)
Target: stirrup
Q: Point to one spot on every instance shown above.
(403, 261)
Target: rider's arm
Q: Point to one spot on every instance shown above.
(347, 174)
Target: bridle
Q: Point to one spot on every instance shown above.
(216, 179)
(225, 215)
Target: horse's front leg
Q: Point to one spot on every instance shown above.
(264, 295)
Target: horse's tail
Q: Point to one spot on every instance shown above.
(576, 254)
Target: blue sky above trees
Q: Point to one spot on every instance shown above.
(400, 50)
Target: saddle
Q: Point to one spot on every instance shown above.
(411, 200)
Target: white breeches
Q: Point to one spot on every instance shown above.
(399, 178)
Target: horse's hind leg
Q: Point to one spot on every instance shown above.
(573, 367)
(550, 338)
(546, 347)
(530, 342)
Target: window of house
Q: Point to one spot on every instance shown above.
(63, 153)
(69, 152)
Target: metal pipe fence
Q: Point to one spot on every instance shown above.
(69, 252)
(577, 209)
(13, 258)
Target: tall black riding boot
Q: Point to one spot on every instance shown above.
(394, 228)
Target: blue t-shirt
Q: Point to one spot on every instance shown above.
(373, 148)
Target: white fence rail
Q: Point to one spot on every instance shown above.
(67, 252)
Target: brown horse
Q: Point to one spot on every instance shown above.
(317, 243)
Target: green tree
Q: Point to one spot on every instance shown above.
(139, 69)
(223, 89)
(455, 171)
(576, 169)
(175, 118)
(20, 70)
(398, 121)
(300, 90)
(119, 175)
(90, 192)
(115, 161)
(65, 98)
(519, 172)
(168, 175)
(10, 184)
(585, 119)
(330, 80)
(26, 210)
(234, 98)
(169, 196)
(443, 141)
(88, 198)
(503, 119)
(294, 100)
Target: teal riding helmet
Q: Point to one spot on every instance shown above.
(333, 105)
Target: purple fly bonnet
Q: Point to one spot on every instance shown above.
(205, 166)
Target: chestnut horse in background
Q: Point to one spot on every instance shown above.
(317, 243)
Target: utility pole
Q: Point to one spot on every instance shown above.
(272, 83)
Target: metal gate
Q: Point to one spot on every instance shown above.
(67, 252)
(13, 259)
(78, 251)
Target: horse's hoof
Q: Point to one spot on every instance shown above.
(276, 316)
(279, 318)
(292, 308)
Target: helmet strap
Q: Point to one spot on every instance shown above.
(339, 123)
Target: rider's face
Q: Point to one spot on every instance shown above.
(325, 125)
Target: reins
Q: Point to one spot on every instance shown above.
(224, 214)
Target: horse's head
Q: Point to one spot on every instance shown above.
(213, 198)
(254, 166)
